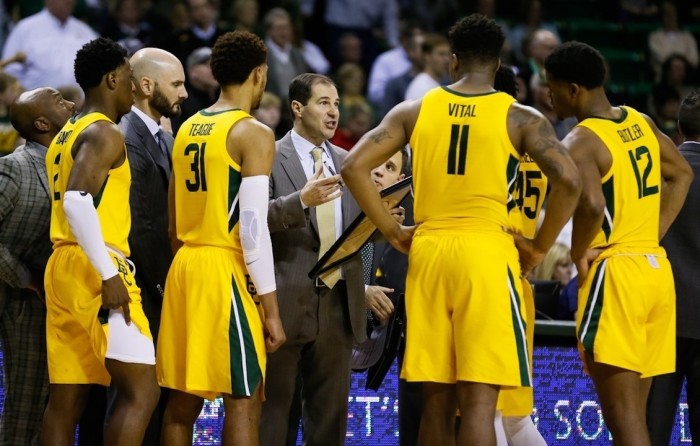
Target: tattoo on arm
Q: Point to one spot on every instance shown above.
(380, 135)
(546, 149)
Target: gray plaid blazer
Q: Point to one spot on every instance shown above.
(25, 214)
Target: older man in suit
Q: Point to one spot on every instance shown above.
(25, 213)
(322, 317)
(159, 89)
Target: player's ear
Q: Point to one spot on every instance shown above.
(111, 80)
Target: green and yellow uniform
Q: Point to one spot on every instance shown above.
(626, 314)
(463, 293)
(211, 338)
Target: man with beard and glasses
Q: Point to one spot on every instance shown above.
(159, 89)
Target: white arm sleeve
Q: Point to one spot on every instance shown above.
(84, 224)
(253, 198)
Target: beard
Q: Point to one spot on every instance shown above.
(166, 108)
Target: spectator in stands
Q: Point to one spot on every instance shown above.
(355, 121)
(269, 112)
(677, 73)
(202, 88)
(375, 22)
(10, 89)
(49, 39)
(538, 46)
(244, 16)
(202, 32)
(128, 26)
(313, 55)
(488, 8)
(395, 90)
(437, 15)
(436, 60)
(666, 103)
(670, 39)
(556, 265)
(534, 21)
(285, 61)
(395, 62)
(351, 84)
(542, 102)
(349, 49)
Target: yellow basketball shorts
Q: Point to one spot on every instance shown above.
(519, 401)
(465, 312)
(77, 332)
(211, 339)
(627, 311)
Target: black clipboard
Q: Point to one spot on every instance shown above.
(360, 231)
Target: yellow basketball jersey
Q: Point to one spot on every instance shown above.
(633, 184)
(463, 161)
(112, 202)
(207, 180)
(528, 195)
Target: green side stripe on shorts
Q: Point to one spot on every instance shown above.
(519, 330)
(609, 212)
(245, 370)
(594, 308)
(234, 185)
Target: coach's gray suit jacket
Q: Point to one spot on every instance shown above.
(295, 244)
(148, 199)
(25, 247)
(320, 324)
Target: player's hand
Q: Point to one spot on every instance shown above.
(376, 299)
(401, 238)
(583, 265)
(319, 190)
(530, 256)
(36, 284)
(274, 334)
(399, 214)
(114, 296)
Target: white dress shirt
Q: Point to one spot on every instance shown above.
(303, 149)
(50, 47)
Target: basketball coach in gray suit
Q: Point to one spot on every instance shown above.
(321, 321)
(159, 89)
(25, 247)
(682, 244)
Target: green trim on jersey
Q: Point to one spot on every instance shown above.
(468, 95)
(97, 198)
(609, 194)
(234, 187)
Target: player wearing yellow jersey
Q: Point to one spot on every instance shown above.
(96, 329)
(527, 197)
(466, 333)
(634, 184)
(214, 334)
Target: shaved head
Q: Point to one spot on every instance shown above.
(39, 114)
(152, 62)
(159, 82)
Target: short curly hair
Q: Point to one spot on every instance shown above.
(235, 55)
(95, 59)
(476, 37)
(578, 63)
